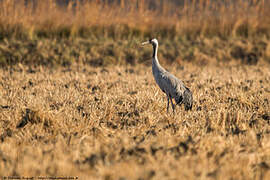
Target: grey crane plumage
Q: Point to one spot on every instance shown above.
(173, 87)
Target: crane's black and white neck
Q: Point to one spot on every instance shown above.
(155, 48)
(168, 83)
(155, 62)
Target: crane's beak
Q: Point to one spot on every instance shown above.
(145, 43)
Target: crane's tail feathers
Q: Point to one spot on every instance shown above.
(179, 100)
(187, 100)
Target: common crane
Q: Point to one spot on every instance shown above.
(168, 83)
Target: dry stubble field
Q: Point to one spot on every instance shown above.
(111, 123)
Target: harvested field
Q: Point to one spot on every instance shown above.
(111, 123)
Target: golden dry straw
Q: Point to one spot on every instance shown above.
(134, 18)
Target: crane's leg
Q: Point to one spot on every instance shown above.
(168, 104)
(172, 103)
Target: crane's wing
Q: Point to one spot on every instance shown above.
(170, 84)
(176, 89)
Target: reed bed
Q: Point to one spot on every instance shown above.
(126, 19)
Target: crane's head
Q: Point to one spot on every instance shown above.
(154, 42)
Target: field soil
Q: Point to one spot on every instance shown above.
(111, 122)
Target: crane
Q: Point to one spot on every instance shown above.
(173, 87)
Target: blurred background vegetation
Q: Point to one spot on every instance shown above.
(102, 32)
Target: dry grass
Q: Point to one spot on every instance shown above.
(111, 123)
(134, 18)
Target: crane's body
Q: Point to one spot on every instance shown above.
(168, 83)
